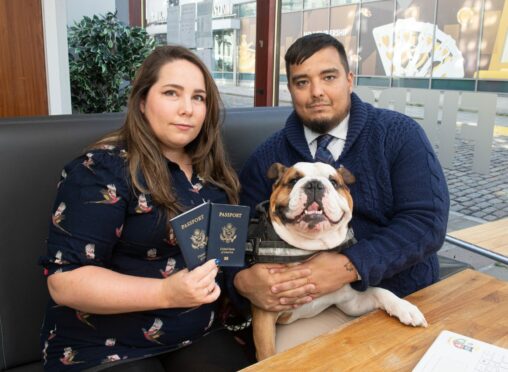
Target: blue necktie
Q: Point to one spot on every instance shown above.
(322, 153)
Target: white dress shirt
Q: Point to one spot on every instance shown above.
(336, 146)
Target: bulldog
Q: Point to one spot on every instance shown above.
(310, 208)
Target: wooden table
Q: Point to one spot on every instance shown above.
(470, 303)
(491, 235)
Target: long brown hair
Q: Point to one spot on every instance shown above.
(144, 155)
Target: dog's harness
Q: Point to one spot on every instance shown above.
(265, 246)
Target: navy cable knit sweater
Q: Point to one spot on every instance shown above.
(400, 195)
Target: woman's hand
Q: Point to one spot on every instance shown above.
(97, 290)
(192, 288)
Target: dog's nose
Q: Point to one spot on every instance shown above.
(314, 185)
(314, 190)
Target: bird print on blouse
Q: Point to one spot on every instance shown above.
(107, 147)
(171, 238)
(45, 352)
(210, 322)
(83, 317)
(88, 162)
(110, 342)
(118, 231)
(154, 332)
(90, 251)
(151, 254)
(112, 358)
(58, 217)
(196, 187)
(185, 343)
(109, 195)
(143, 206)
(170, 267)
(59, 258)
(68, 357)
(106, 193)
(62, 178)
(52, 335)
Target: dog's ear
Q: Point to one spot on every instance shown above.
(347, 176)
(276, 171)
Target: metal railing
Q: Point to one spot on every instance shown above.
(476, 249)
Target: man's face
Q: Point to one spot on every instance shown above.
(320, 89)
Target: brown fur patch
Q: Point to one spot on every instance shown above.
(284, 317)
(347, 176)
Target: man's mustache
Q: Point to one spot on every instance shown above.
(318, 103)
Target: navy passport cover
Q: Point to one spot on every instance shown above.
(191, 232)
(228, 233)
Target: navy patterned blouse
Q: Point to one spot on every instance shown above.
(98, 220)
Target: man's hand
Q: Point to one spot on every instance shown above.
(329, 272)
(258, 282)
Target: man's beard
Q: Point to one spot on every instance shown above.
(321, 126)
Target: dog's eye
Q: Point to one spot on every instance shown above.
(334, 183)
(293, 181)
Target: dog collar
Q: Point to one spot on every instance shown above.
(265, 246)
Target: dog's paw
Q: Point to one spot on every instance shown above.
(407, 313)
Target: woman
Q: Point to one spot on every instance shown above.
(118, 283)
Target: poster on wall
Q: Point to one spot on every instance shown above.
(188, 25)
(173, 25)
(461, 20)
(344, 26)
(371, 16)
(204, 37)
(494, 51)
(421, 50)
(247, 46)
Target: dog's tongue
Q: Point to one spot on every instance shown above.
(314, 207)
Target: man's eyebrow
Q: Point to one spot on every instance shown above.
(332, 70)
(296, 77)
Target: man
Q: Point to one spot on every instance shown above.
(400, 195)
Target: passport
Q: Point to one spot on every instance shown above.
(191, 233)
(228, 233)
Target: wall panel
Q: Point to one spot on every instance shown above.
(22, 68)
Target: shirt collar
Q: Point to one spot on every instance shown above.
(340, 131)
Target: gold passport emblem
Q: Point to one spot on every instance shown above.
(228, 234)
(198, 239)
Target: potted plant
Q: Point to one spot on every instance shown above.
(104, 55)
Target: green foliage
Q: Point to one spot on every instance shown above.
(104, 55)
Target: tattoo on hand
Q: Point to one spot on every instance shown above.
(349, 266)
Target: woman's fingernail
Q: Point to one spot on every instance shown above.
(217, 261)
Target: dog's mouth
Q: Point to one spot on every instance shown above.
(312, 214)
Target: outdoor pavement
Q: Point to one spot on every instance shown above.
(474, 198)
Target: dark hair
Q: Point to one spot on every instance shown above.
(209, 159)
(305, 47)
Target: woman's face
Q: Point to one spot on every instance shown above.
(175, 106)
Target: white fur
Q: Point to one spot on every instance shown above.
(326, 235)
(329, 236)
(356, 303)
